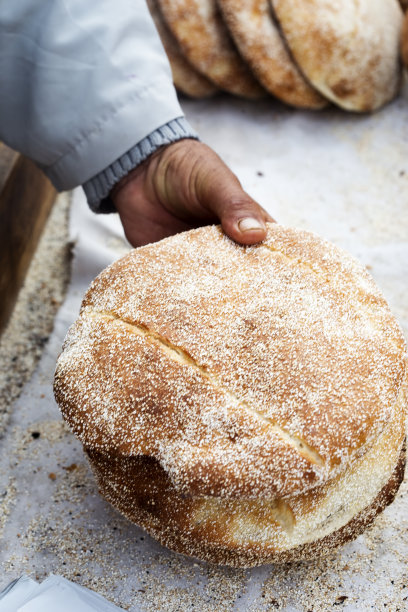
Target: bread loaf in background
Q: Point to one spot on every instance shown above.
(186, 79)
(260, 43)
(306, 53)
(207, 44)
(348, 50)
(244, 405)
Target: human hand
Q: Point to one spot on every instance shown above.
(181, 186)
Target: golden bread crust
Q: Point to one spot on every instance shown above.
(263, 370)
(359, 42)
(206, 43)
(260, 43)
(242, 404)
(186, 79)
(140, 489)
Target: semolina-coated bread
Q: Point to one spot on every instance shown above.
(185, 78)
(260, 43)
(347, 49)
(244, 405)
(206, 43)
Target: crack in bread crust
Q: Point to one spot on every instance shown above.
(180, 355)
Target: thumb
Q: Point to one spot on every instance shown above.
(220, 192)
(242, 219)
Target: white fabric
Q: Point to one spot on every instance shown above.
(80, 83)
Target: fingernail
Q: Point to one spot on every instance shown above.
(249, 223)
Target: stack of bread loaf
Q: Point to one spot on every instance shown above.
(307, 53)
(244, 405)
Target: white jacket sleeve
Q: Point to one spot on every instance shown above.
(82, 83)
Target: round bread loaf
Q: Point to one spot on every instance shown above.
(206, 43)
(244, 405)
(348, 50)
(185, 78)
(260, 43)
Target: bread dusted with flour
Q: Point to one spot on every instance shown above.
(185, 78)
(348, 50)
(243, 404)
(307, 53)
(260, 43)
(206, 43)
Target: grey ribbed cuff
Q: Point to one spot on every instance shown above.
(97, 189)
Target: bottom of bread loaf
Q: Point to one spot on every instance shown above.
(249, 532)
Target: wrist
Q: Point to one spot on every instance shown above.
(100, 188)
(133, 175)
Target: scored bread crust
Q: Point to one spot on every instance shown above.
(238, 374)
(206, 43)
(359, 41)
(186, 79)
(244, 353)
(260, 43)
